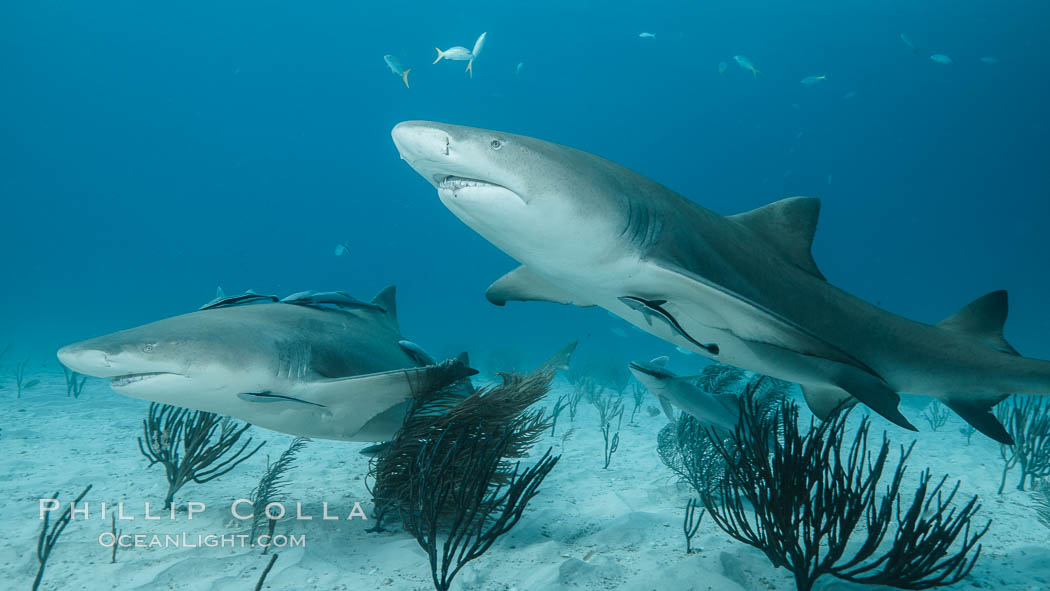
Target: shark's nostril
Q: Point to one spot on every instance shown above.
(447, 142)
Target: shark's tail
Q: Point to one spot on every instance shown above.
(441, 54)
(404, 76)
(470, 68)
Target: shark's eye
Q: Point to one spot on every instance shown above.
(496, 144)
(147, 348)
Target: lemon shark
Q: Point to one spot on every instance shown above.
(314, 364)
(741, 289)
(719, 410)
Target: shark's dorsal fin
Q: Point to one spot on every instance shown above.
(660, 361)
(788, 225)
(983, 318)
(523, 285)
(387, 300)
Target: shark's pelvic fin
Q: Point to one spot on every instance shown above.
(417, 353)
(522, 285)
(977, 411)
(824, 400)
(665, 404)
(788, 225)
(983, 318)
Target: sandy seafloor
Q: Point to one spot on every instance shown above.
(588, 528)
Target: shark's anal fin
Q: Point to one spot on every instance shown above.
(654, 308)
(977, 411)
(824, 400)
(983, 318)
(788, 225)
(522, 285)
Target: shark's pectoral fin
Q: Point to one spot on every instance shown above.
(977, 411)
(823, 401)
(983, 318)
(665, 404)
(369, 395)
(562, 358)
(718, 307)
(522, 285)
(788, 225)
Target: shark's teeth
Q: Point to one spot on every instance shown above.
(454, 183)
(131, 379)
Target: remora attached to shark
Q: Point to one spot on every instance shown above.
(742, 289)
(322, 365)
(719, 411)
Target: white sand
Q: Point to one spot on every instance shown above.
(589, 528)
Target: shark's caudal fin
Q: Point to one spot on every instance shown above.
(441, 54)
(470, 68)
(404, 76)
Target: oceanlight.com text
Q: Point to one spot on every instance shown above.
(188, 540)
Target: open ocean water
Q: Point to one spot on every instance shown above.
(152, 155)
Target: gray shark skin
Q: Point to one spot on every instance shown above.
(342, 372)
(741, 289)
(718, 411)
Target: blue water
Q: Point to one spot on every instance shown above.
(150, 152)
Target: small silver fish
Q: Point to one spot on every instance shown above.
(518, 68)
(990, 60)
(746, 64)
(910, 45)
(940, 58)
(341, 249)
(647, 35)
(397, 68)
(811, 80)
(722, 66)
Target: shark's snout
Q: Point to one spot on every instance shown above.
(421, 140)
(87, 360)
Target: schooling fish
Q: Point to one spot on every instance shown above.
(647, 35)
(474, 53)
(746, 64)
(397, 68)
(742, 289)
(940, 58)
(811, 80)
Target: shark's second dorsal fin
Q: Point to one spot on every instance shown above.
(788, 225)
(983, 318)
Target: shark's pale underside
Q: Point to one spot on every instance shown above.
(322, 365)
(741, 289)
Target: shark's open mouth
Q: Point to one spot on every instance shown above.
(127, 380)
(455, 183)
